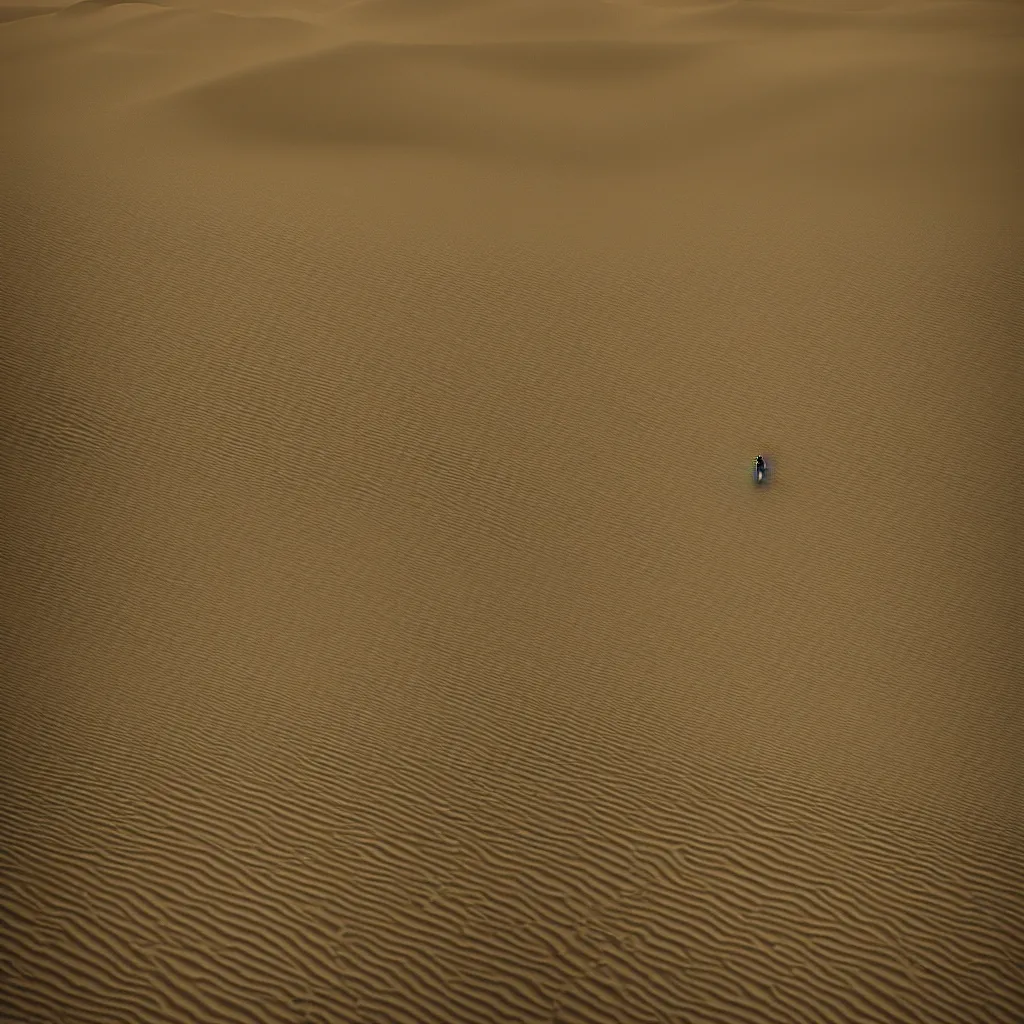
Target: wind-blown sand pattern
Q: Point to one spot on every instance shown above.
(391, 632)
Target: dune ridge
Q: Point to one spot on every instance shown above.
(536, 102)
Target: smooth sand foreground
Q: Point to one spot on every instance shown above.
(391, 632)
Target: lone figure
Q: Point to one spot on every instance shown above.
(760, 471)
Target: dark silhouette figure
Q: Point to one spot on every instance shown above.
(760, 471)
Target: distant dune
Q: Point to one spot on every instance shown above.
(88, 7)
(391, 631)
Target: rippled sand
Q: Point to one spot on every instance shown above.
(391, 632)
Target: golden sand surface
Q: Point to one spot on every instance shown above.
(391, 631)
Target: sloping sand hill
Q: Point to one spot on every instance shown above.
(391, 632)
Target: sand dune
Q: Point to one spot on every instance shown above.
(592, 103)
(462, 98)
(90, 7)
(390, 629)
(17, 13)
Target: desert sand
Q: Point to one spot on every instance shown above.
(391, 632)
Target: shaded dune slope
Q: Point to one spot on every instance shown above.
(594, 103)
(13, 13)
(482, 98)
(534, 19)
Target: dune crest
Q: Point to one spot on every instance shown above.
(86, 7)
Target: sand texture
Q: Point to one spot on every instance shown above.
(390, 630)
